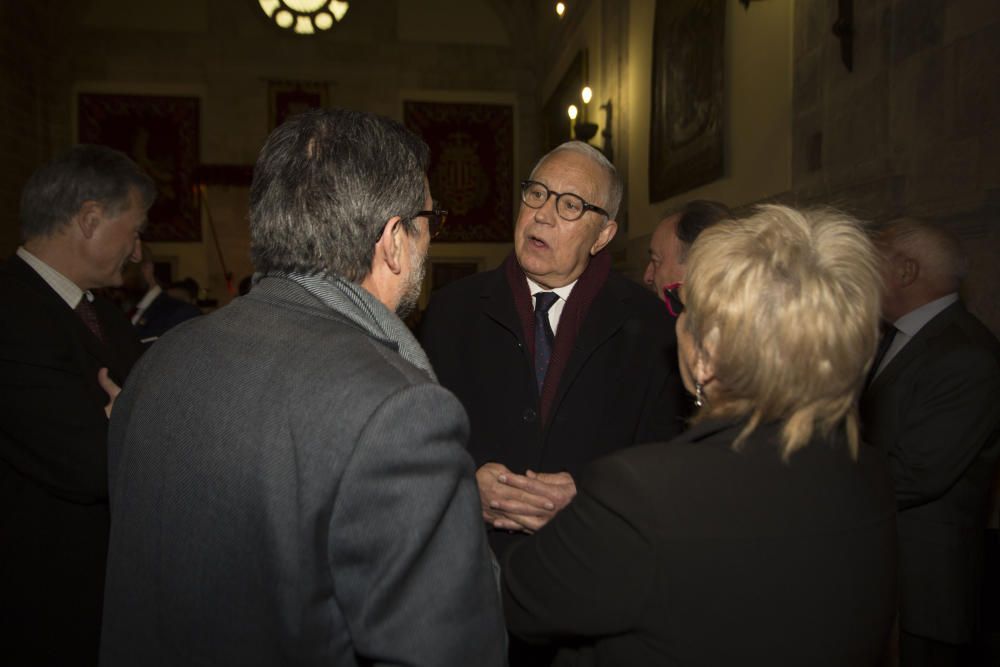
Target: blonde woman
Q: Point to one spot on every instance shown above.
(765, 534)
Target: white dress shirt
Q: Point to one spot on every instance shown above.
(910, 324)
(555, 312)
(63, 286)
(144, 302)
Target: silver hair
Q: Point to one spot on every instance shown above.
(325, 184)
(936, 249)
(615, 187)
(87, 172)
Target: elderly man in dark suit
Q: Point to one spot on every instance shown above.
(62, 349)
(289, 483)
(932, 406)
(557, 359)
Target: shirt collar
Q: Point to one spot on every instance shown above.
(148, 297)
(67, 290)
(916, 319)
(562, 292)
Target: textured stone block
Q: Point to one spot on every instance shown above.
(807, 145)
(943, 171)
(855, 126)
(977, 77)
(872, 27)
(989, 162)
(870, 202)
(917, 25)
(806, 81)
(812, 25)
(965, 17)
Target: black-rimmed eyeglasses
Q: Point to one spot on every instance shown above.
(435, 220)
(569, 206)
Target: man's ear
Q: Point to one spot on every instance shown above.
(389, 248)
(907, 271)
(604, 237)
(88, 217)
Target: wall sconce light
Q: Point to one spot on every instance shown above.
(606, 133)
(304, 17)
(585, 130)
(560, 9)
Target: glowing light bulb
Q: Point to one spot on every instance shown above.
(560, 9)
(572, 111)
(586, 94)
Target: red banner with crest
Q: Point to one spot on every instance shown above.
(472, 166)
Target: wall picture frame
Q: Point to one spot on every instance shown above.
(161, 134)
(687, 114)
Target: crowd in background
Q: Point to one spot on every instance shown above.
(778, 451)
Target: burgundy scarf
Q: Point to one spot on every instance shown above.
(588, 285)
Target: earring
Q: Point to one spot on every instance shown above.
(699, 394)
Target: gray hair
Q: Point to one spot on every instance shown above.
(324, 185)
(937, 250)
(615, 185)
(87, 172)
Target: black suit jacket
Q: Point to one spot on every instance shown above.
(53, 468)
(692, 553)
(163, 314)
(933, 409)
(619, 386)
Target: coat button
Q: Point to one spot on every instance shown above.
(529, 415)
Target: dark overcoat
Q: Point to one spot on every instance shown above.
(695, 553)
(933, 410)
(53, 468)
(619, 387)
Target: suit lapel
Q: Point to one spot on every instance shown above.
(602, 321)
(63, 316)
(498, 305)
(915, 348)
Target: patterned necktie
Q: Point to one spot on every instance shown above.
(85, 309)
(544, 338)
(884, 343)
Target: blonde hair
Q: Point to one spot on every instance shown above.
(785, 305)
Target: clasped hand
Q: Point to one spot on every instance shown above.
(525, 502)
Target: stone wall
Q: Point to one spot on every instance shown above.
(25, 134)
(914, 129)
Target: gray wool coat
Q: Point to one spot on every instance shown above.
(287, 490)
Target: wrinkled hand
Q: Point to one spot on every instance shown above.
(505, 505)
(109, 386)
(558, 489)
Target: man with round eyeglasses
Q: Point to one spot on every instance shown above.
(557, 359)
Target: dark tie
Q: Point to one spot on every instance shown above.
(85, 309)
(544, 337)
(888, 334)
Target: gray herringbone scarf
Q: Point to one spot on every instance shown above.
(358, 305)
